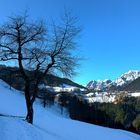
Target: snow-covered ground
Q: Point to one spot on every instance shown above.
(106, 97)
(48, 125)
(100, 97)
(136, 94)
(62, 88)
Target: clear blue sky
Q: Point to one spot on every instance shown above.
(110, 41)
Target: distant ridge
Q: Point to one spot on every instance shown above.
(12, 77)
(118, 84)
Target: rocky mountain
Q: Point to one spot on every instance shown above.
(99, 84)
(118, 84)
(133, 86)
(127, 78)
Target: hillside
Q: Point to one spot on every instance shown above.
(12, 76)
(48, 124)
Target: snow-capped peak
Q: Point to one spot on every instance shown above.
(123, 80)
(127, 78)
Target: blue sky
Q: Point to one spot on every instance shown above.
(110, 40)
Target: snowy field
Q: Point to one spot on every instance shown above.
(102, 97)
(48, 124)
(105, 97)
(137, 94)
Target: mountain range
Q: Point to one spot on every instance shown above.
(121, 83)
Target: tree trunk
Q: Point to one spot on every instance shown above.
(29, 104)
(29, 116)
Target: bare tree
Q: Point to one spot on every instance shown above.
(34, 49)
(17, 37)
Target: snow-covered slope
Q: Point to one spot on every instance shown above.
(48, 125)
(122, 81)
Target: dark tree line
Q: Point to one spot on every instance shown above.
(124, 115)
